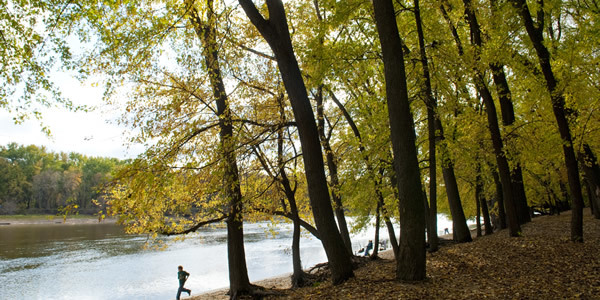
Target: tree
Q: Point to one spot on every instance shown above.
(411, 265)
(33, 48)
(431, 103)
(332, 164)
(238, 273)
(490, 108)
(535, 33)
(377, 182)
(461, 231)
(275, 31)
(508, 118)
(289, 187)
(589, 164)
(13, 186)
(37, 181)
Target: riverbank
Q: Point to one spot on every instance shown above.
(8, 220)
(278, 283)
(542, 264)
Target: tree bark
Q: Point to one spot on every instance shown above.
(275, 31)
(393, 179)
(536, 36)
(500, 200)
(411, 265)
(331, 161)
(298, 276)
(431, 102)
(478, 208)
(238, 273)
(494, 128)
(501, 161)
(460, 229)
(508, 118)
(333, 172)
(589, 164)
(459, 222)
(377, 225)
(523, 211)
(483, 203)
(591, 195)
(489, 229)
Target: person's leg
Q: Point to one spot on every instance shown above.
(179, 292)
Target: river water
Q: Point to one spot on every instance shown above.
(100, 261)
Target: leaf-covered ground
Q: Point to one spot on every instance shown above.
(542, 264)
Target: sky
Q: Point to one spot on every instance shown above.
(89, 133)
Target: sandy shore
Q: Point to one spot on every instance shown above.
(277, 282)
(284, 281)
(51, 220)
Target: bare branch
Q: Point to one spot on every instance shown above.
(195, 227)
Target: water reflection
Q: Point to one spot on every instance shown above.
(20, 241)
(100, 261)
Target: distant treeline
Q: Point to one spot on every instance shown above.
(33, 180)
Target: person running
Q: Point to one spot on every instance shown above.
(182, 276)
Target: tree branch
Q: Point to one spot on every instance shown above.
(261, 54)
(255, 17)
(195, 227)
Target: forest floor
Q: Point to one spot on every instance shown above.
(542, 264)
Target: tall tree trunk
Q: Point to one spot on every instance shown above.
(589, 164)
(460, 229)
(333, 173)
(478, 208)
(501, 161)
(411, 265)
(536, 36)
(298, 276)
(591, 196)
(392, 236)
(238, 274)
(331, 161)
(564, 202)
(508, 118)
(275, 31)
(376, 180)
(377, 225)
(459, 222)
(523, 210)
(431, 103)
(483, 203)
(492, 117)
(500, 200)
(393, 179)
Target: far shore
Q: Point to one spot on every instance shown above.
(9, 220)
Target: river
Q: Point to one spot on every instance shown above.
(100, 261)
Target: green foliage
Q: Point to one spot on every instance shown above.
(34, 180)
(152, 62)
(34, 44)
